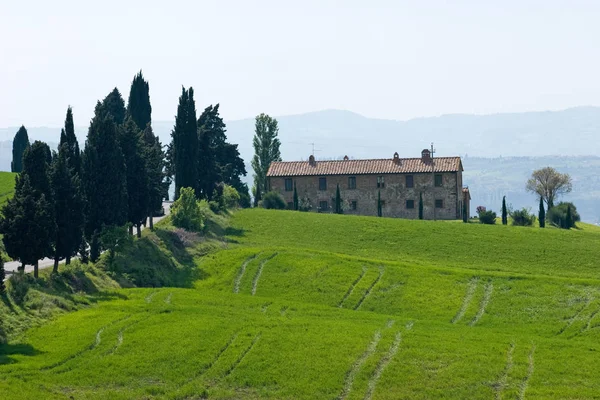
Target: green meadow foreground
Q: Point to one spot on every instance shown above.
(311, 306)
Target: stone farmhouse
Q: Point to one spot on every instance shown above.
(401, 182)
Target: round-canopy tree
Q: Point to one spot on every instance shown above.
(548, 183)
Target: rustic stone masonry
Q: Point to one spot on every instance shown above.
(400, 181)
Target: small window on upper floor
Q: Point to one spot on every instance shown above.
(289, 184)
(380, 182)
(410, 181)
(322, 183)
(438, 180)
(351, 182)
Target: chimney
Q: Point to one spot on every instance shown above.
(426, 156)
(396, 158)
(346, 158)
(311, 160)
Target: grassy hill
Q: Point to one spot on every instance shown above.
(7, 186)
(304, 306)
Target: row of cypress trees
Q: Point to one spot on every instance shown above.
(68, 199)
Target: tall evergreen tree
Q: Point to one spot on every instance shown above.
(296, 203)
(338, 200)
(420, 205)
(158, 182)
(569, 218)
(114, 105)
(104, 178)
(138, 105)
(2, 277)
(266, 150)
(27, 225)
(464, 213)
(504, 211)
(379, 210)
(68, 207)
(183, 151)
(20, 143)
(542, 214)
(36, 164)
(68, 138)
(133, 147)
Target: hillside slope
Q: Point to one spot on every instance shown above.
(305, 306)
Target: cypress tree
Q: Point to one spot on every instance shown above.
(183, 152)
(266, 150)
(157, 181)
(2, 277)
(27, 225)
(542, 214)
(420, 205)
(104, 179)
(504, 211)
(20, 143)
(132, 145)
(379, 211)
(138, 105)
(36, 164)
(338, 201)
(464, 213)
(296, 204)
(114, 105)
(211, 137)
(68, 138)
(68, 207)
(569, 218)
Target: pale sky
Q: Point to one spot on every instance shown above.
(384, 59)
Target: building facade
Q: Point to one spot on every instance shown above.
(401, 183)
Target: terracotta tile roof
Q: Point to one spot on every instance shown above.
(360, 167)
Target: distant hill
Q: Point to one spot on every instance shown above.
(531, 139)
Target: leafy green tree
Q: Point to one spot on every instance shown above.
(27, 225)
(266, 150)
(138, 105)
(338, 201)
(379, 210)
(20, 143)
(133, 147)
(115, 239)
(104, 179)
(231, 197)
(564, 215)
(273, 201)
(542, 214)
(548, 183)
(504, 211)
(157, 178)
(68, 207)
(68, 138)
(183, 151)
(296, 203)
(186, 212)
(421, 206)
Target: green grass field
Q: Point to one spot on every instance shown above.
(7, 186)
(312, 306)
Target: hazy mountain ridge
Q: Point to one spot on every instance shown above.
(564, 139)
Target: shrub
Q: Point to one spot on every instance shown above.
(231, 197)
(304, 204)
(19, 287)
(185, 211)
(558, 215)
(522, 217)
(485, 216)
(273, 200)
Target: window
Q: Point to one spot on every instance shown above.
(323, 206)
(380, 182)
(410, 204)
(438, 180)
(351, 182)
(439, 203)
(353, 205)
(289, 185)
(322, 183)
(410, 182)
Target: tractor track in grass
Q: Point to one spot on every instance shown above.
(120, 336)
(487, 295)
(370, 289)
(265, 307)
(352, 286)
(588, 324)
(242, 356)
(216, 358)
(168, 298)
(92, 346)
(575, 317)
(383, 363)
(150, 297)
(238, 278)
(259, 272)
(530, 368)
(356, 366)
(501, 383)
(471, 287)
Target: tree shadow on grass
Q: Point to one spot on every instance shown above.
(7, 350)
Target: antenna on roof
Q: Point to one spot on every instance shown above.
(313, 149)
